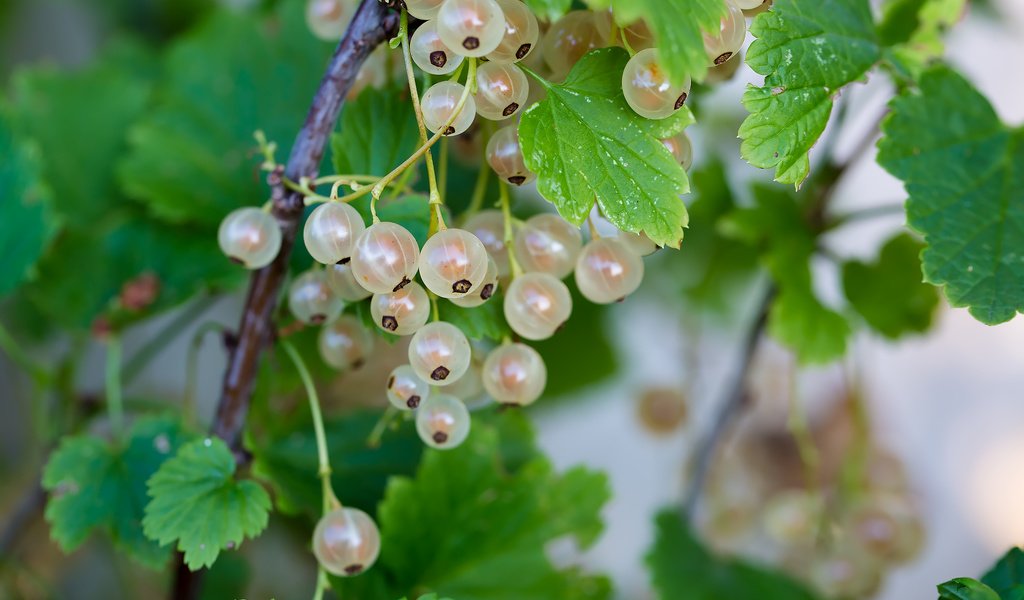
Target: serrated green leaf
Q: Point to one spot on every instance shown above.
(965, 588)
(29, 221)
(197, 503)
(807, 52)
(964, 172)
(914, 29)
(586, 144)
(1006, 575)
(486, 321)
(95, 485)
(193, 158)
(889, 294)
(504, 522)
(377, 131)
(682, 568)
(549, 10)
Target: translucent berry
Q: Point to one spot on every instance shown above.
(521, 33)
(748, 4)
(439, 104)
(607, 271)
(442, 421)
(638, 243)
(537, 305)
(725, 71)
(723, 44)
(430, 53)
(647, 88)
(681, 149)
(331, 232)
(402, 312)
(762, 6)
(311, 300)
(638, 34)
(343, 282)
(385, 259)
(792, 517)
(483, 292)
(406, 391)
(501, 90)
(489, 227)
(469, 388)
(439, 353)
(423, 9)
(328, 19)
(514, 374)
(345, 344)
(547, 243)
(250, 237)
(471, 27)
(346, 542)
(453, 263)
(506, 156)
(568, 39)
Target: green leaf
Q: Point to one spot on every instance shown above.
(914, 29)
(95, 485)
(807, 52)
(1007, 574)
(486, 321)
(965, 588)
(585, 143)
(889, 294)
(197, 502)
(503, 522)
(192, 158)
(29, 222)
(549, 10)
(677, 28)
(964, 172)
(376, 132)
(681, 568)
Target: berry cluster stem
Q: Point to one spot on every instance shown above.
(112, 385)
(506, 210)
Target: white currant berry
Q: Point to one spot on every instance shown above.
(344, 343)
(406, 391)
(483, 292)
(607, 271)
(489, 227)
(637, 33)
(423, 9)
(442, 421)
(537, 305)
(762, 6)
(521, 33)
(501, 90)
(402, 312)
(791, 517)
(547, 243)
(723, 44)
(647, 87)
(430, 53)
(723, 72)
(439, 104)
(453, 263)
(506, 156)
(328, 19)
(343, 282)
(331, 231)
(568, 39)
(346, 542)
(747, 4)
(469, 388)
(311, 300)
(514, 374)
(385, 258)
(681, 149)
(439, 353)
(471, 27)
(250, 237)
(638, 243)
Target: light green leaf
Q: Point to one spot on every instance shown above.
(197, 502)
(914, 30)
(1007, 575)
(586, 144)
(682, 568)
(504, 520)
(965, 588)
(807, 51)
(964, 172)
(96, 485)
(549, 10)
(889, 294)
(28, 222)
(376, 132)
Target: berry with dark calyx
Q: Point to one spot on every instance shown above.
(489, 227)
(402, 312)
(471, 27)
(501, 90)
(343, 282)
(250, 237)
(607, 271)
(537, 305)
(442, 421)
(547, 243)
(405, 390)
(647, 87)
(331, 232)
(453, 263)
(514, 374)
(430, 53)
(385, 258)
(311, 300)
(439, 104)
(522, 32)
(346, 542)
(484, 292)
(568, 39)
(725, 43)
(439, 353)
(505, 156)
(345, 344)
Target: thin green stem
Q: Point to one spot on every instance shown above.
(321, 584)
(476, 202)
(434, 311)
(330, 500)
(188, 404)
(373, 440)
(442, 171)
(40, 376)
(115, 403)
(506, 210)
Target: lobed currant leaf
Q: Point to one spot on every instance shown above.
(965, 588)
(807, 51)
(963, 170)
(486, 321)
(376, 132)
(586, 144)
(196, 502)
(99, 485)
(1007, 575)
(913, 30)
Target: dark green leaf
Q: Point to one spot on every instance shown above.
(1007, 574)
(486, 321)
(376, 132)
(964, 588)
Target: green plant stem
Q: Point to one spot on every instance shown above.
(330, 500)
(115, 404)
(506, 210)
(442, 171)
(476, 202)
(321, 584)
(373, 440)
(39, 375)
(188, 404)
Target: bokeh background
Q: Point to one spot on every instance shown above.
(948, 404)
